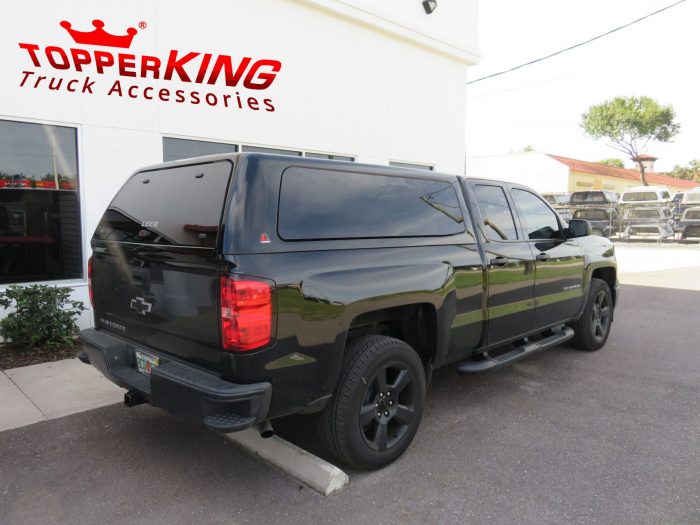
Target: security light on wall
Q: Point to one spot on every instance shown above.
(429, 6)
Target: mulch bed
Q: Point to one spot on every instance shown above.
(14, 357)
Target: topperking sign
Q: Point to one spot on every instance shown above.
(77, 69)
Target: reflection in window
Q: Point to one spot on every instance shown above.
(496, 213)
(39, 208)
(540, 221)
(176, 149)
(148, 208)
(324, 204)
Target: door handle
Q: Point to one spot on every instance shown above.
(499, 261)
(542, 257)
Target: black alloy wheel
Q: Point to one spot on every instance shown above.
(600, 316)
(592, 329)
(388, 406)
(377, 405)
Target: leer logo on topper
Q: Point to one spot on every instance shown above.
(100, 37)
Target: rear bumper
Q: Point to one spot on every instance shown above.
(179, 388)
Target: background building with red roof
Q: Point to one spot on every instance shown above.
(554, 173)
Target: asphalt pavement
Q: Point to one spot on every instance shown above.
(563, 437)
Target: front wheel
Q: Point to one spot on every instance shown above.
(377, 405)
(591, 331)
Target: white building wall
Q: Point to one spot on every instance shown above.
(380, 82)
(534, 169)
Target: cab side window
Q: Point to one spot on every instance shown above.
(495, 211)
(539, 221)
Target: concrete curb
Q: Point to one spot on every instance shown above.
(307, 468)
(50, 390)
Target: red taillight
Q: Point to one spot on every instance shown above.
(246, 314)
(92, 297)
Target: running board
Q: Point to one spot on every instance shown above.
(521, 352)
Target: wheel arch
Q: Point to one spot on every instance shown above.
(415, 324)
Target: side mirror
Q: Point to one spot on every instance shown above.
(580, 228)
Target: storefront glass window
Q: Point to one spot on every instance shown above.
(329, 156)
(411, 165)
(258, 149)
(176, 149)
(39, 205)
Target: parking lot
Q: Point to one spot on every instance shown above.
(563, 437)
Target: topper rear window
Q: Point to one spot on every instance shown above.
(173, 206)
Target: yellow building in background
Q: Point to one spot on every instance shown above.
(584, 175)
(552, 173)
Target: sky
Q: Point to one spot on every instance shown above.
(541, 105)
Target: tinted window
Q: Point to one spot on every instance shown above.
(176, 149)
(321, 204)
(539, 221)
(39, 206)
(496, 213)
(150, 207)
(591, 215)
(588, 197)
(640, 196)
(692, 215)
(644, 214)
(665, 195)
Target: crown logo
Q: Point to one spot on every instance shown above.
(100, 37)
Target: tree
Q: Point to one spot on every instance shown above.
(629, 124)
(618, 163)
(689, 172)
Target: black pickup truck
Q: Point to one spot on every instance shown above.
(235, 289)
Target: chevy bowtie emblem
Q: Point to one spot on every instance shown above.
(141, 305)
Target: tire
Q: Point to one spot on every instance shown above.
(377, 405)
(592, 329)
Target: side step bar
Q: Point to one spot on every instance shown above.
(491, 363)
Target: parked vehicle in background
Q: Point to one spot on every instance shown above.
(600, 208)
(648, 221)
(604, 221)
(690, 198)
(689, 224)
(593, 198)
(298, 286)
(560, 202)
(645, 195)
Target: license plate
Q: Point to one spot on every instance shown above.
(146, 362)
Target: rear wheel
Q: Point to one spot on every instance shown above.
(378, 403)
(593, 328)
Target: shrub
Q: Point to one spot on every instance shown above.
(43, 317)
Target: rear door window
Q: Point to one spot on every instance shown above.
(175, 206)
(496, 213)
(326, 204)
